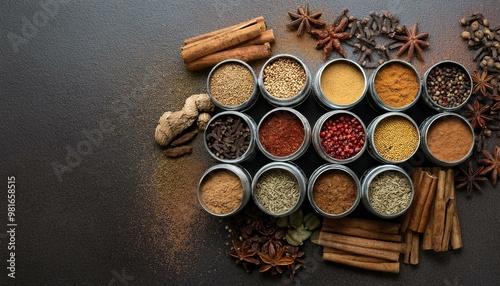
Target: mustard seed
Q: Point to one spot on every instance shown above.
(395, 138)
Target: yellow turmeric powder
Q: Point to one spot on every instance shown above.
(396, 85)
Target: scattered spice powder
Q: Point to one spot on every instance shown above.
(277, 190)
(396, 85)
(395, 138)
(449, 139)
(281, 133)
(342, 83)
(284, 78)
(334, 191)
(390, 192)
(232, 84)
(221, 192)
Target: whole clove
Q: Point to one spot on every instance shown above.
(228, 138)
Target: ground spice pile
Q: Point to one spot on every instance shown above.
(335, 192)
(449, 139)
(281, 134)
(221, 192)
(342, 83)
(396, 85)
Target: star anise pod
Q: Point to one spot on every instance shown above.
(496, 103)
(274, 259)
(413, 42)
(244, 252)
(330, 39)
(492, 164)
(477, 114)
(470, 178)
(296, 254)
(481, 82)
(303, 21)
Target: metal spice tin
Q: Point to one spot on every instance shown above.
(293, 101)
(242, 174)
(433, 105)
(367, 179)
(316, 138)
(305, 143)
(312, 181)
(297, 173)
(252, 134)
(424, 146)
(320, 95)
(372, 150)
(243, 106)
(373, 98)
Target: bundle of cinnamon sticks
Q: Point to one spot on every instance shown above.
(362, 243)
(245, 41)
(433, 214)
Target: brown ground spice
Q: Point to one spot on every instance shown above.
(221, 192)
(449, 139)
(334, 191)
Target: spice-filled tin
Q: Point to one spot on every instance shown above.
(386, 191)
(340, 84)
(334, 190)
(232, 85)
(339, 136)
(284, 134)
(279, 188)
(230, 137)
(285, 81)
(447, 86)
(394, 86)
(393, 137)
(224, 189)
(447, 139)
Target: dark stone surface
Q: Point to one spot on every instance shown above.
(108, 70)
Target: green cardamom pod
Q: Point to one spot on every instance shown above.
(315, 236)
(311, 221)
(282, 221)
(296, 218)
(303, 232)
(293, 238)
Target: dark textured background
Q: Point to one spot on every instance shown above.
(125, 211)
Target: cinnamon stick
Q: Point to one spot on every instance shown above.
(346, 259)
(421, 193)
(429, 202)
(456, 235)
(353, 256)
(265, 37)
(427, 240)
(246, 54)
(326, 237)
(219, 42)
(383, 254)
(362, 233)
(408, 241)
(450, 211)
(365, 224)
(415, 242)
(224, 30)
(416, 176)
(439, 213)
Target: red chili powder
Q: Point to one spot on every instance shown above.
(281, 133)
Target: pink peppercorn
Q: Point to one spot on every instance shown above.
(342, 137)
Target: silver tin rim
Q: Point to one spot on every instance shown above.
(316, 140)
(372, 150)
(312, 181)
(296, 172)
(305, 143)
(253, 129)
(366, 180)
(375, 100)
(243, 106)
(320, 96)
(245, 179)
(434, 105)
(297, 99)
(424, 129)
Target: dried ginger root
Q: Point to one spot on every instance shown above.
(202, 120)
(171, 124)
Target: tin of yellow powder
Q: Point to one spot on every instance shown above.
(396, 85)
(342, 83)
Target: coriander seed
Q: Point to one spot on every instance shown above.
(284, 78)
